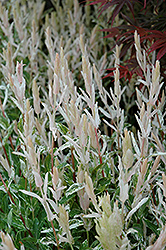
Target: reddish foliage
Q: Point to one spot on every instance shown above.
(159, 42)
(127, 70)
(124, 34)
(105, 4)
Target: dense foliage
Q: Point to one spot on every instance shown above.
(148, 18)
(82, 157)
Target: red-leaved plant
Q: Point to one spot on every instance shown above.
(148, 18)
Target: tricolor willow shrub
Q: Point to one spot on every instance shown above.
(64, 182)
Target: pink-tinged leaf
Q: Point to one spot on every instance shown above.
(38, 179)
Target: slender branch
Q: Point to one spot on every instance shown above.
(25, 225)
(7, 190)
(71, 247)
(57, 242)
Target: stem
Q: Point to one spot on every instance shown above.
(25, 225)
(71, 247)
(57, 242)
(10, 139)
(7, 190)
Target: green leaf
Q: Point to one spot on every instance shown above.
(20, 123)
(13, 113)
(4, 122)
(47, 162)
(73, 189)
(96, 245)
(152, 226)
(66, 199)
(102, 184)
(36, 231)
(9, 218)
(139, 228)
(18, 224)
(62, 128)
(95, 170)
(62, 165)
(84, 245)
(75, 223)
(30, 243)
(143, 210)
(68, 176)
(9, 132)
(27, 77)
(8, 151)
(103, 181)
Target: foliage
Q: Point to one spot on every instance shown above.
(148, 18)
(74, 173)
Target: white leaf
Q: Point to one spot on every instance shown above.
(45, 184)
(32, 194)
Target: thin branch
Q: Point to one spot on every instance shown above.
(55, 235)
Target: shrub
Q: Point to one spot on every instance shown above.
(65, 183)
